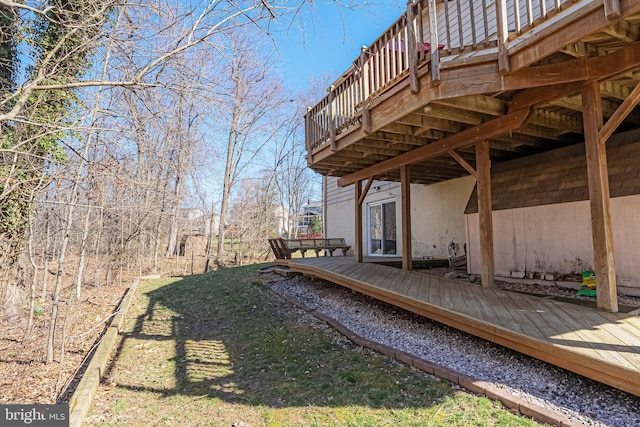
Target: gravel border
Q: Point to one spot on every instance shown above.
(535, 388)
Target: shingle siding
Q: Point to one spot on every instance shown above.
(560, 176)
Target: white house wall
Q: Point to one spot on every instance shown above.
(340, 211)
(437, 213)
(437, 216)
(556, 240)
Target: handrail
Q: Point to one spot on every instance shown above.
(459, 25)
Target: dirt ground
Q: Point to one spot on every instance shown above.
(25, 378)
(24, 375)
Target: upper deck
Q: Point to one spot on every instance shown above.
(506, 71)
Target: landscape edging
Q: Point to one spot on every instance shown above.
(83, 395)
(473, 385)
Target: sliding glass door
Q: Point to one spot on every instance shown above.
(382, 228)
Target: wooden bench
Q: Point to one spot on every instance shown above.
(283, 248)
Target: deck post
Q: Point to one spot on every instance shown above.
(612, 9)
(503, 36)
(412, 51)
(435, 54)
(332, 121)
(308, 135)
(485, 212)
(358, 221)
(599, 198)
(407, 250)
(364, 90)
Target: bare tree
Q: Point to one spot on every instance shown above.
(251, 97)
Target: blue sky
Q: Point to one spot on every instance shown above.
(331, 38)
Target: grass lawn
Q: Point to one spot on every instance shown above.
(220, 349)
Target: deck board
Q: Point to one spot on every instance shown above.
(598, 345)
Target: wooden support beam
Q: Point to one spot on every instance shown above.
(412, 51)
(621, 113)
(358, 222)
(484, 79)
(405, 188)
(485, 213)
(496, 127)
(435, 54)
(541, 95)
(463, 163)
(599, 198)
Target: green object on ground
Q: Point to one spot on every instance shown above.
(586, 293)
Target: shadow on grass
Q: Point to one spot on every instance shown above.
(226, 336)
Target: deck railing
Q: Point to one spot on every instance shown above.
(408, 46)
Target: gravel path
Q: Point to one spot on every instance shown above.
(582, 400)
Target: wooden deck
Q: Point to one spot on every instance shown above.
(601, 346)
(510, 73)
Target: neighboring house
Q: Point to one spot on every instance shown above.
(515, 139)
(309, 210)
(195, 228)
(195, 221)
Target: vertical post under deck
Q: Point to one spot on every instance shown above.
(599, 199)
(407, 251)
(358, 221)
(485, 208)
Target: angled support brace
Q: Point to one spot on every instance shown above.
(463, 163)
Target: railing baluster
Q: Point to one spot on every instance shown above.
(447, 23)
(420, 31)
(461, 39)
(379, 66)
(530, 12)
(485, 22)
(387, 61)
(516, 15)
(394, 48)
(404, 66)
(474, 41)
(543, 9)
